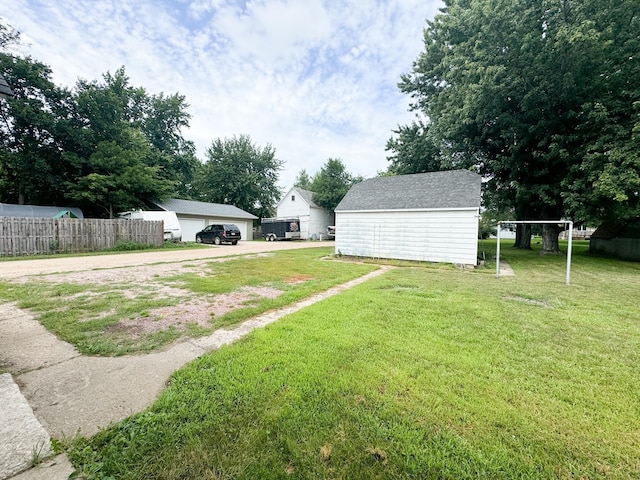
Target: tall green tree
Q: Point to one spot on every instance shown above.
(112, 106)
(164, 118)
(605, 184)
(303, 180)
(119, 177)
(240, 173)
(32, 162)
(518, 88)
(414, 150)
(80, 147)
(8, 36)
(114, 152)
(332, 183)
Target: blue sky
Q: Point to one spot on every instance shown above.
(316, 79)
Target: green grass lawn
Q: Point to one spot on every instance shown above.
(95, 316)
(425, 372)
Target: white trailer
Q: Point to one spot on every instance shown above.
(172, 230)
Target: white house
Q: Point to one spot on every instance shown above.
(424, 217)
(194, 216)
(314, 219)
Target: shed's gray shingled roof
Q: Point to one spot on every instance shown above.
(190, 207)
(447, 189)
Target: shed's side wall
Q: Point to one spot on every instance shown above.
(436, 236)
(319, 220)
(623, 248)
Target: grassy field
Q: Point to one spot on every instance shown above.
(119, 315)
(425, 372)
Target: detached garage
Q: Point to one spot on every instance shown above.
(194, 216)
(425, 217)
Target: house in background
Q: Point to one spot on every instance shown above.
(424, 217)
(194, 216)
(314, 219)
(506, 231)
(39, 211)
(580, 232)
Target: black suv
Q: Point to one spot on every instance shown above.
(219, 233)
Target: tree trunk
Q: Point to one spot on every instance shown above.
(523, 236)
(550, 234)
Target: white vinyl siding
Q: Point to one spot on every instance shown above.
(287, 208)
(319, 220)
(449, 236)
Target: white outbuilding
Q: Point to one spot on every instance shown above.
(425, 217)
(194, 216)
(314, 219)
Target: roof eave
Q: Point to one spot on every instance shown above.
(380, 210)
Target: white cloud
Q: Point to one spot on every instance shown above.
(315, 79)
(277, 33)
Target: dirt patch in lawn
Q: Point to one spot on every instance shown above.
(192, 311)
(153, 282)
(298, 279)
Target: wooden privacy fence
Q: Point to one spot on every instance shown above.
(33, 236)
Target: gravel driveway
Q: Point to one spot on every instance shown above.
(21, 268)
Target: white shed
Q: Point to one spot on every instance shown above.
(314, 219)
(424, 217)
(194, 216)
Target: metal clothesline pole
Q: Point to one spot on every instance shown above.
(539, 222)
(498, 253)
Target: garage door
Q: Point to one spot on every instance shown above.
(189, 228)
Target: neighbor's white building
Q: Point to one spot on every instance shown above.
(424, 217)
(194, 216)
(314, 219)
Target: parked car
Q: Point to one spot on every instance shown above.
(219, 233)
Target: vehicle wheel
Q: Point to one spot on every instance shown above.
(198, 239)
(234, 242)
(217, 240)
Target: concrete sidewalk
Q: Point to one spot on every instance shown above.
(73, 394)
(23, 438)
